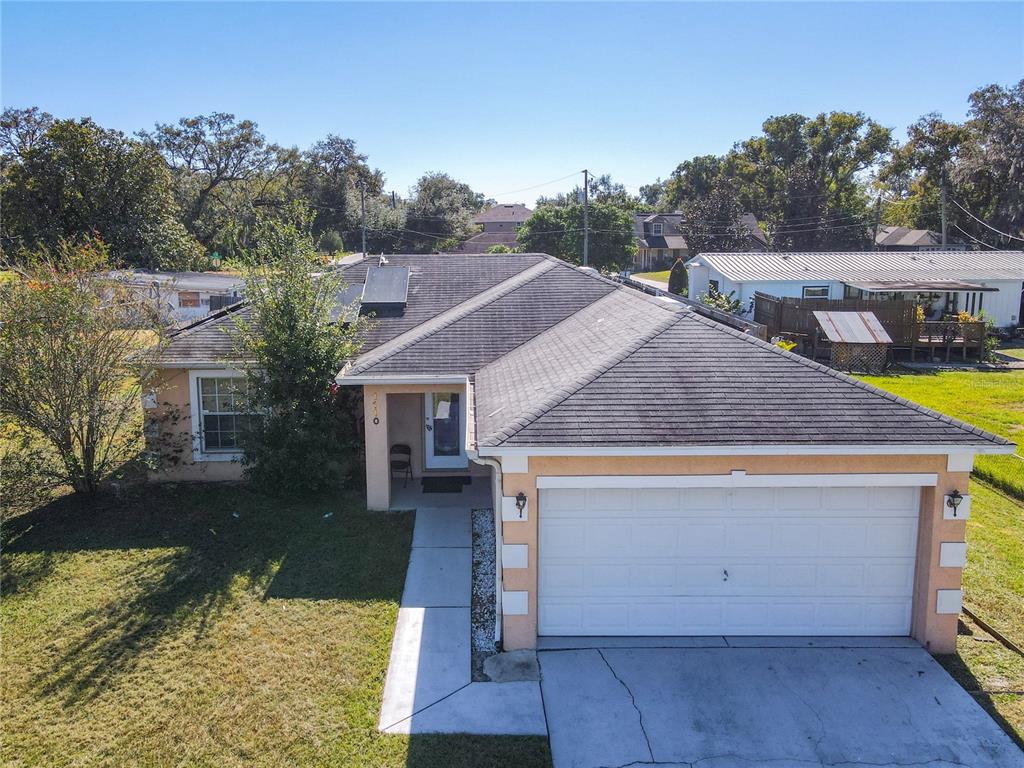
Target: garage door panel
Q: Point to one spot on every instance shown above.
(801, 569)
(893, 499)
(606, 538)
(658, 499)
(748, 537)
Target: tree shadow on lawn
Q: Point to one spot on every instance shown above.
(204, 558)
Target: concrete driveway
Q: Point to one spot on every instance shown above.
(808, 703)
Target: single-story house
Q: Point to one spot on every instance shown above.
(652, 472)
(988, 283)
(184, 296)
(893, 238)
(500, 223)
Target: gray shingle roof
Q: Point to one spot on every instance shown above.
(437, 283)
(564, 358)
(699, 383)
(520, 386)
(503, 212)
(485, 330)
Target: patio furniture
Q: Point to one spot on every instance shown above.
(401, 461)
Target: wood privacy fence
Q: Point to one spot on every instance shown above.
(795, 318)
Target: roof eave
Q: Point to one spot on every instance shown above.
(832, 449)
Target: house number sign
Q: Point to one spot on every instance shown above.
(376, 413)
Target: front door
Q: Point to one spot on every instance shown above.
(443, 431)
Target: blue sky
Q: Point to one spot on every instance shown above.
(506, 96)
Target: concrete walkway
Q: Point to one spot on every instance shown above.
(428, 687)
(761, 703)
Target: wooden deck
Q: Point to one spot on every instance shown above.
(794, 318)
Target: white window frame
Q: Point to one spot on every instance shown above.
(827, 289)
(195, 402)
(657, 229)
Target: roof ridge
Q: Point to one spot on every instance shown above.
(208, 318)
(808, 363)
(523, 420)
(435, 324)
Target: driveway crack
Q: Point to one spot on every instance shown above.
(632, 698)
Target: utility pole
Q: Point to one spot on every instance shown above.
(586, 217)
(942, 198)
(362, 210)
(878, 217)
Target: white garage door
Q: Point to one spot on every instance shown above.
(740, 561)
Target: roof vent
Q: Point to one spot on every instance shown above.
(386, 291)
(785, 257)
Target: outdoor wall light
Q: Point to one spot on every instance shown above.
(953, 500)
(521, 503)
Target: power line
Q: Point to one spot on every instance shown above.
(979, 242)
(535, 186)
(985, 224)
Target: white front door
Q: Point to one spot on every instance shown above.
(444, 431)
(720, 561)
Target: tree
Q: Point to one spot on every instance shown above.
(803, 178)
(440, 208)
(690, 181)
(978, 163)
(224, 170)
(305, 437)
(558, 231)
(67, 179)
(678, 278)
(603, 189)
(75, 354)
(712, 223)
(332, 170)
(991, 171)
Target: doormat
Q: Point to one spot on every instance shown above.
(445, 484)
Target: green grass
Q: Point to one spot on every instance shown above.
(994, 590)
(992, 400)
(1014, 352)
(659, 276)
(160, 629)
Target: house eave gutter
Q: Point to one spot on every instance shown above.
(361, 379)
(746, 450)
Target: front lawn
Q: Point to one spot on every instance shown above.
(994, 591)
(207, 626)
(992, 400)
(661, 277)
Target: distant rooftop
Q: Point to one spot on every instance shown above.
(849, 266)
(505, 212)
(181, 281)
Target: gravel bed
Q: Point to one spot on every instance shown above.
(482, 605)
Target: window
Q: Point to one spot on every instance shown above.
(656, 229)
(815, 291)
(188, 299)
(713, 287)
(222, 412)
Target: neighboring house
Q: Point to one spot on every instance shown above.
(660, 241)
(654, 472)
(891, 238)
(499, 223)
(979, 282)
(184, 296)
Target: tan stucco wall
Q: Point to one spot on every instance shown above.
(936, 632)
(393, 413)
(169, 433)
